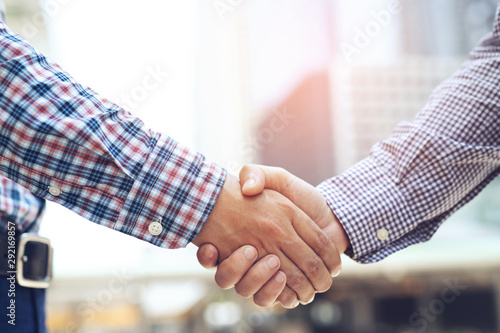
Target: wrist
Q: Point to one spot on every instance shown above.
(336, 232)
(340, 235)
(212, 228)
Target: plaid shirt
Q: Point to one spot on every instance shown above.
(63, 142)
(427, 168)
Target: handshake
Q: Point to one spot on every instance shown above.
(272, 237)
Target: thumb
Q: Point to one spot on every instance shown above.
(208, 255)
(302, 194)
(255, 178)
(252, 180)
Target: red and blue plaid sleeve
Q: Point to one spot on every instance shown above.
(65, 143)
(19, 206)
(429, 167)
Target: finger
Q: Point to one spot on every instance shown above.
(302, 194)
(306, 198)
(257, 276)
(320, 259)
(288, 298)
(297, 280)
(265, 177)
(268, 294)
(232, 269)
(252, 180)
(207, 255)
(311, 267)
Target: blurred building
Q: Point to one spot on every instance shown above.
(388, 81)
(444, 28)
(368, 101)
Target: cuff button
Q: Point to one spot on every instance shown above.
(382, 234)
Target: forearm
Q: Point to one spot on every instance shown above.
(427, 168)
(107, 166)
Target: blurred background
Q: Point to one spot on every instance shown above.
(306, 85)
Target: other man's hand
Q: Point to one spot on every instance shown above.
(262, 280)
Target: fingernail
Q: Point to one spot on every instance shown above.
(249, 253)
(208, 254)
(296, 303)
(250, 182)
(272, 262)
(337, 272)
(280, 277)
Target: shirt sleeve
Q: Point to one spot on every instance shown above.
(19, 206)
(429, 167)
(65, 143)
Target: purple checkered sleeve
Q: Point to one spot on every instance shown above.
(61, 141)
(429, 167)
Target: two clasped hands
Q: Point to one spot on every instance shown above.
(273, 237)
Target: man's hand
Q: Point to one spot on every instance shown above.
(261, 279)
(254, 179)
(272, 224)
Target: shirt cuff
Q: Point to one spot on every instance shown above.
(176, 188)
(371, 209)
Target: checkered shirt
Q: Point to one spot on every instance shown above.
(108, 167)
(429, 167)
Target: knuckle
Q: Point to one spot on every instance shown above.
(274, 228)
(285, 175)
(280, 170)
(296, 279)
(314, 266)
(288, 182)
(323, 242)
(284, 204)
